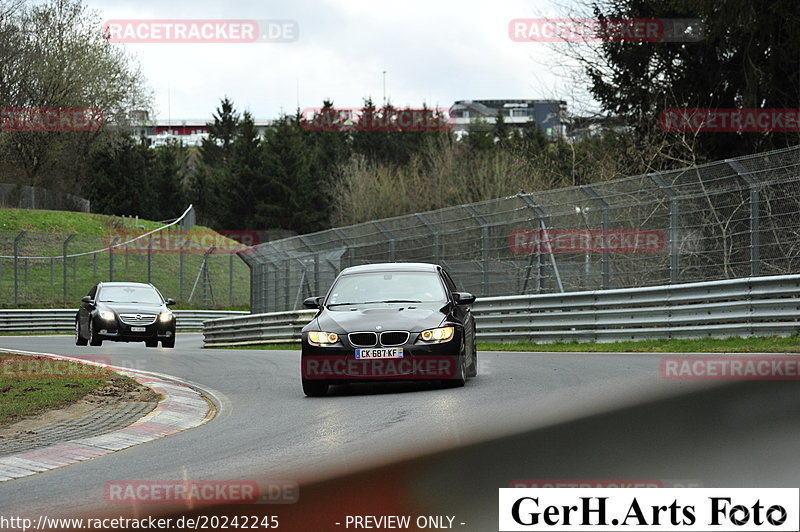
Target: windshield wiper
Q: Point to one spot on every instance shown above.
(373, 302)
(397, 301)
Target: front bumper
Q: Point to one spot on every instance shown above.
(119, 331)
(420, 361)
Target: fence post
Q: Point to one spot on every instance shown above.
(435, 232)
(64, 258)
(338, 232)
(182, 252)
(604, 206)
(150, 260)
(111, 259)
(392, 242)
(230, 279)
(484, 247)
(673, 225)
(16, 266)
(755, 215)
(541, 216)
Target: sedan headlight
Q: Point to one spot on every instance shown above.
(106, 315)
(438, 335)
(322, 338)
(165, 317)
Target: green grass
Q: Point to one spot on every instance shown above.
(40, 282)
(30, 385)
(770, 344)
(62, 222)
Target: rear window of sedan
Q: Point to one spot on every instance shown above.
(376, 287)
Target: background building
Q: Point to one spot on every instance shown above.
(550, 115)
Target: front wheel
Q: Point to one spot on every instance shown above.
(315, 388)
(168, 342)
(472, 369)
(460, 378)
(94, 340)
(79, 340)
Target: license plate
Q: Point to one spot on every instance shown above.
(138, 329)
(389, 352)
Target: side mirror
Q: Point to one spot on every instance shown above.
(169, 302)
(87, 299)
(312, 302)
(463, 298)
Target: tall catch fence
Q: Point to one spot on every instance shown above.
(728, 219)
(196, 267)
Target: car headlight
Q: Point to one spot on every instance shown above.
(322, 338)
(165, 317)
(106, 315)
(438, 335)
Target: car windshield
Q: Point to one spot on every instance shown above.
(129, 294)
(387, 287)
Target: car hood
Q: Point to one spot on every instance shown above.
(394, 318)
(146, 308)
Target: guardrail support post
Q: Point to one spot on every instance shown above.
(674, 208)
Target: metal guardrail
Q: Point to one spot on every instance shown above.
(751, 306)
(63, 320)
(267, 328)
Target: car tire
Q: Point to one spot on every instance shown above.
(151, 343)
(460, 378)
(79, 340)
(472, 369)
(315, 388)
(94, 340)
(169, 343)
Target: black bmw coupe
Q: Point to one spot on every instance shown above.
(392, 321)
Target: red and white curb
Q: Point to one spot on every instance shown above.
(183, 408)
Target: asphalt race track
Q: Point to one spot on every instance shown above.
(266, 429)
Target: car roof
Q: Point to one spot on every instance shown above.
(392, 267)
(122, 283)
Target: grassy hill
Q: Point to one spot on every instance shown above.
(40, 281)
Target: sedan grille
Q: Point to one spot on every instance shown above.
(394, 338)
(363, 339)
(137, 319)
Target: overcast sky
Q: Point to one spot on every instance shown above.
(433, 51)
